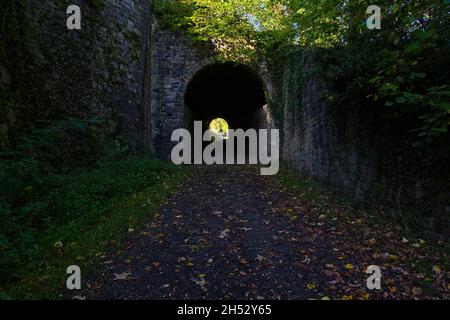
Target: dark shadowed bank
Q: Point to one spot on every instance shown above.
(53, 220)
(79, 109)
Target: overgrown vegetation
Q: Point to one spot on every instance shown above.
(392, 83)
(69, 186)
(97, 4)
(404, 66)
(40, 86)
(54, 219)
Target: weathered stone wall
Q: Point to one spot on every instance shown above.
(346, 147)
(121, 69)
(100, 70)
(175, 59)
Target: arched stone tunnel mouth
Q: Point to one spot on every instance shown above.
(225, 90)
(230, 91)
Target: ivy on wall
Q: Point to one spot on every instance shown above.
(390, 86)
(402, 66)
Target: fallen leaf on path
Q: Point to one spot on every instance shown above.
(311, 286)
(224, 233)
(121, 276)
(416, 291)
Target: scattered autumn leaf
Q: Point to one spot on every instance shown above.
(121, 276)
(365, 296)
(310, 286)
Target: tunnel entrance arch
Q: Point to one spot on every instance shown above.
(228, 90)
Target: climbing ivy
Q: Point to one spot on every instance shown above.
(97, 4)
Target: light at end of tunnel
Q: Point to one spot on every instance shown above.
(219, 127)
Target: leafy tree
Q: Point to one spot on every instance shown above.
(404, 65)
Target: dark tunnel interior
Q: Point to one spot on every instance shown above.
(229, 91)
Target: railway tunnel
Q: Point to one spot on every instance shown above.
(229, 91)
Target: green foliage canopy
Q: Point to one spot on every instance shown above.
(405, 64)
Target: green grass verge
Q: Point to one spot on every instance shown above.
(89, 212)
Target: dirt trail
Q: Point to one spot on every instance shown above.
(233, 234)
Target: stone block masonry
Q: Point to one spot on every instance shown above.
(100, 70)
(342, 146)
(126, 71)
